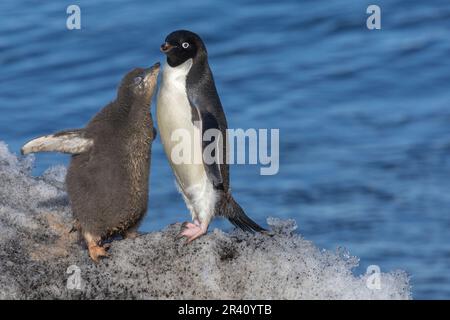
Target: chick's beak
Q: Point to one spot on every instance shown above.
(148, 72)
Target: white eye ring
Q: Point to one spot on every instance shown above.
(185, 45)
(137, 80)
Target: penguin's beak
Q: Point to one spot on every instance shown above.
(154, 67)
(166, 47)
(151, 70)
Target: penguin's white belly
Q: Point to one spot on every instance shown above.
(174, 113)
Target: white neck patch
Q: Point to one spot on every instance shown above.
(175, 74)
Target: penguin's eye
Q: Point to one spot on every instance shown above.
(137, 80)
(185, 45)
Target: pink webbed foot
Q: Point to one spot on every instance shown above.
(192, 231)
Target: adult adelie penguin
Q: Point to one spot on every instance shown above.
(107, 180)
(188, 100)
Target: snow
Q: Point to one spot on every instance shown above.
(36, 249)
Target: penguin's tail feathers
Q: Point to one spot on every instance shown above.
(70, 141)
(238, 218)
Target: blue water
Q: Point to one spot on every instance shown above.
(364, 116)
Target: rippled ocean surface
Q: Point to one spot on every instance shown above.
(364, 116)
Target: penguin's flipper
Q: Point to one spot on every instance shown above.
(70, 141)
(212, 166)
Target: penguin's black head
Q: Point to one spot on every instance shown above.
(182, 45)
(139, 84)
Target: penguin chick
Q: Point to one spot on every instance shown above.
(108, 176)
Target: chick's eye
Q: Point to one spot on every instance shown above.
(185, 45)
(137, 80)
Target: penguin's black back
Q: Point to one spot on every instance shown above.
(200, 86)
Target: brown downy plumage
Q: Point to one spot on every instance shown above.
(107, 180)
